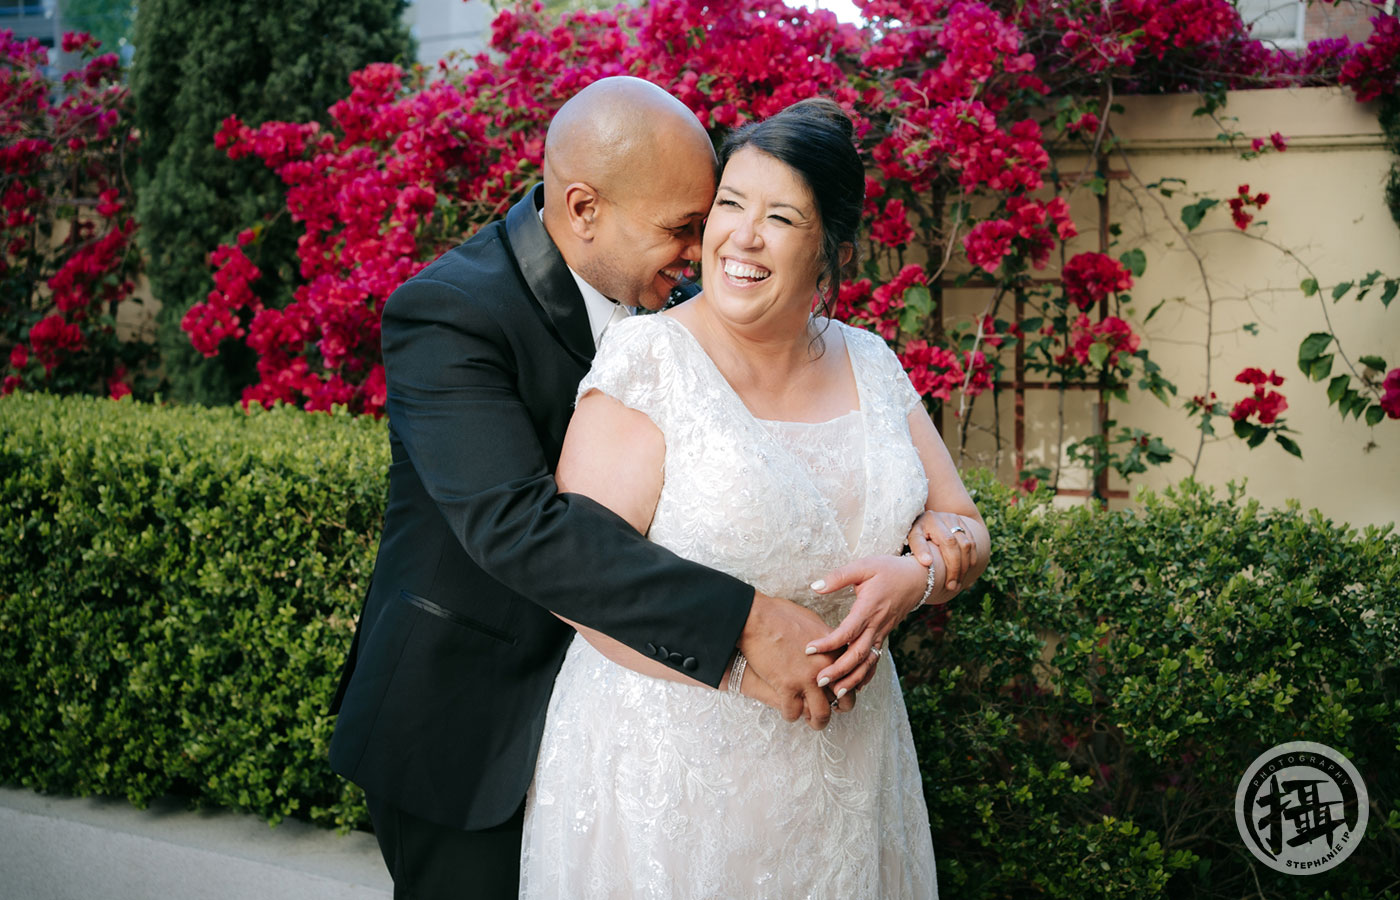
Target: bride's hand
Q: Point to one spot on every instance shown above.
(888, 588)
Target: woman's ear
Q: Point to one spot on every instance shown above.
(581, 203)
(847, 252)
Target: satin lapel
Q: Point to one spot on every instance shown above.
(555, 292)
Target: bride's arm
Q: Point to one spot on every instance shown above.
(888, 588)
(614, 454)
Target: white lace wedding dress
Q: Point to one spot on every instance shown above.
(647, 788)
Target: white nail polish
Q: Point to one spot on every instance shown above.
(823, 681)
(811, 650)
(819, 584)
(840, 692)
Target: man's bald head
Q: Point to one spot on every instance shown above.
(629, 175)
(612, 131)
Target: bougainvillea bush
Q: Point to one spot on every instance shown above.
(956, 104)
(67, 262)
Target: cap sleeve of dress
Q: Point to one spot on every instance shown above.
(634, 365)
(887, 372)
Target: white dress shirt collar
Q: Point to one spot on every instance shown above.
(601, 311)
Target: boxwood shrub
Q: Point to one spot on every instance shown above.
(177, 593)
(1085, 713)
(178, 588)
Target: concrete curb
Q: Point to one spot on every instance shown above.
(63, 848)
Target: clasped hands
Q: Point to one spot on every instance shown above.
(800, 667)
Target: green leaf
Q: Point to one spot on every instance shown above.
(1193, 214)
(1257, 436)
(1391, 287)
(1373, 362)
(1097, 185)
(1374, 414)
(1309, 286)
(1135, 261)
(919, 298)
(1244, 429)
(1311, 348)
(910, 321)
(1320, 368)
(1289, 445)
(1031, 325)
(1152, 312)
(1336, 388)
(1340, 290)
(1098, 354)
(1251, 328)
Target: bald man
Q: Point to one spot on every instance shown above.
(443, 697)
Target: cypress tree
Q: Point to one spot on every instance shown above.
(261, 60)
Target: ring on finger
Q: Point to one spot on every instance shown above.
(875, 650)
(956, 529)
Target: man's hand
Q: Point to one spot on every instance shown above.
(775, 640)
(950, 536)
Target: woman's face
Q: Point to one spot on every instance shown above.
(761, 257)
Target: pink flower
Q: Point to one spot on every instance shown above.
(1390, 398)
(1264, 403)
(988, 243)
(52, 337)
(1090, 277)
(892, 228)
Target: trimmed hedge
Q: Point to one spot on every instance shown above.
(178, 586)
(177, 593)
(1084, 716)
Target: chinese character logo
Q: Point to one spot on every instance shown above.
(1301, 808)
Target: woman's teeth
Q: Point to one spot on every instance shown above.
(744, 272)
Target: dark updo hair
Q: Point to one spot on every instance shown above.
(814, 137)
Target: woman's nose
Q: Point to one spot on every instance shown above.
(747, 234)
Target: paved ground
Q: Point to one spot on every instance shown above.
(60, 848)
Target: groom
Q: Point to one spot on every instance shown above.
(443, 697)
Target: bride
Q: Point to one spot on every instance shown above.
(746, 433)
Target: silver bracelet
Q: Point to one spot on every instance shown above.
(928, 587)
(736, 671)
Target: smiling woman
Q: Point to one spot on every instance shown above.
(797, 175)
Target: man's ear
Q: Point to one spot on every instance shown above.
(582, 203)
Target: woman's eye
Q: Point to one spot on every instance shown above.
(782, 219)
(727, 203)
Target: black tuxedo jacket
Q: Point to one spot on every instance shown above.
(442, 701)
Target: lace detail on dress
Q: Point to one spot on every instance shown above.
(825, 450)
(648, 788)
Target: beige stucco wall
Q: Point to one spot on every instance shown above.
(1327, 209)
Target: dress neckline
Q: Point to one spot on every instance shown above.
(862, 411)
(832, 421)
(850, 366)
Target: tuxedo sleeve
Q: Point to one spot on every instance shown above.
(455, 403)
